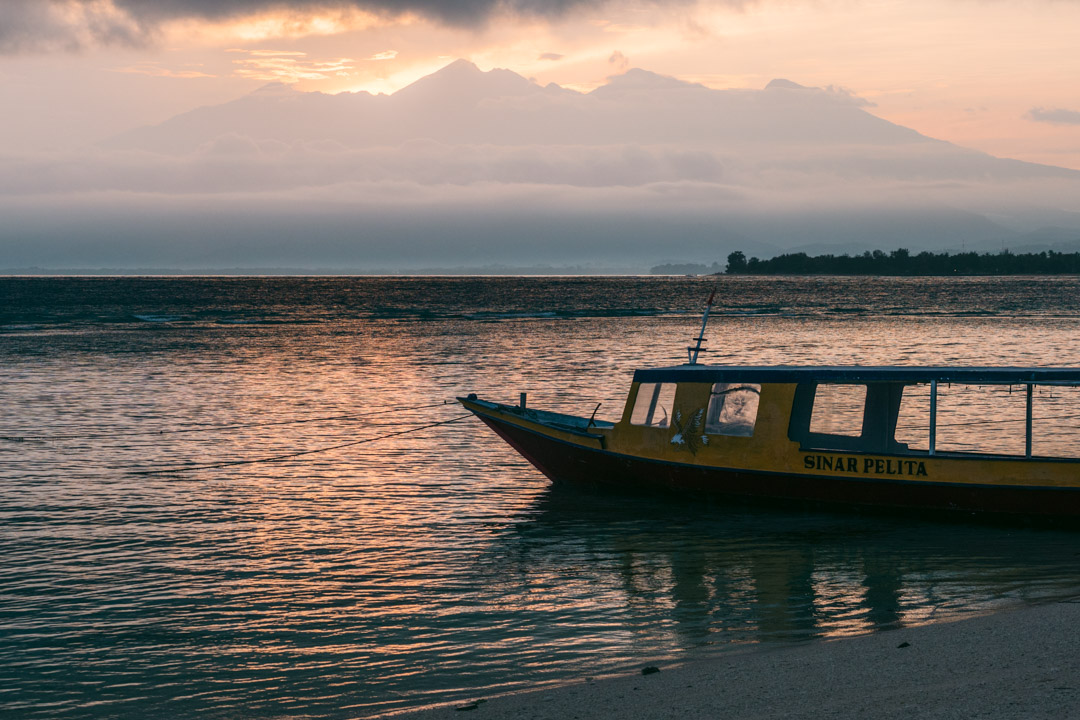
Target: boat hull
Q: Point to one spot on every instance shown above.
(565, 462)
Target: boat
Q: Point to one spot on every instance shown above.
(893, 437)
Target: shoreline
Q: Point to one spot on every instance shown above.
(1020, 662)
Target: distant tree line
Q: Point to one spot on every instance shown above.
(902, 262)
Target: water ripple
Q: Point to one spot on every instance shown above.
(440, 564)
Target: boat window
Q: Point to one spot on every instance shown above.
(982, 419)
(855, 417)
(991, 419)
(733, 409)
(838, 410)
(913, 420)
(1055, 421)
(653, 405)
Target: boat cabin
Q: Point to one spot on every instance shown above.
(898, 411)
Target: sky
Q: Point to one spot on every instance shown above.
(996, 76)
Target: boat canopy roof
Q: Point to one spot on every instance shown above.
(857, 374)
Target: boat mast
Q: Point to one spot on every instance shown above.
(693, 350)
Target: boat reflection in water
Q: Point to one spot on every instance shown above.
(704, 574)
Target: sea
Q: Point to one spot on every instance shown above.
(256, 497)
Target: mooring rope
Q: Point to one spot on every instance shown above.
(277, 458)
(211, 428)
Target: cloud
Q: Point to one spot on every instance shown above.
(550, 56)
(154, 69)
(290, 67)
(620, 61)
(273, 53)
(843, 94)
(27, 25)
(241, 201)
(235, 163)
(399, 223)
(386, 55)
(43, 25)
(1057, 116)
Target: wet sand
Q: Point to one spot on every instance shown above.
(1018, 663)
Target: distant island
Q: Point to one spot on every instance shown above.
(898, 262)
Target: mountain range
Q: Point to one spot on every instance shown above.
(461, 104)
(465, 166)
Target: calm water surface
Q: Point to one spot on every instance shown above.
(437, 565)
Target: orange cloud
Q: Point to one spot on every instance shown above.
(154, 69)
(290, 67)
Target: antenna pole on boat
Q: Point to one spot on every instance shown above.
(693, 351)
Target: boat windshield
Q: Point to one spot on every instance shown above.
(653, 405)
(733, 409)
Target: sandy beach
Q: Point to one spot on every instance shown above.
(1017, 663)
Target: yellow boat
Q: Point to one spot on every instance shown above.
(902, 437)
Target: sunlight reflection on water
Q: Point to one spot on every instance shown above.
(437, 564)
